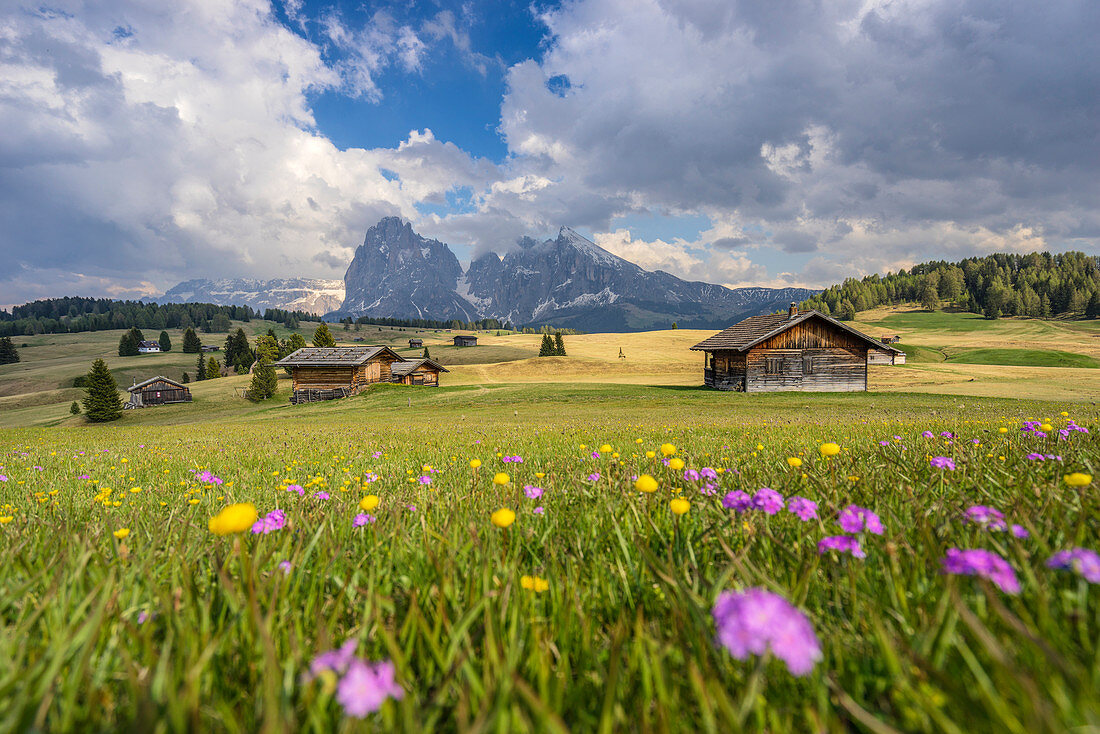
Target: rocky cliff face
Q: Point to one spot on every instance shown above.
(396, 272)
(312, 295)
(567, 281)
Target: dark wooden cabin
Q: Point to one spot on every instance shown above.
(157, 391)
(325, 373)
(463, 340)
(416, 343)
(418, 372)
(796, 350)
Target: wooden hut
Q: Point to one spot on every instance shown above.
(157, 391)
(325, 373)
(463, 340)
(416, 343)
(148, 347)
(796, 350)
(417, 372)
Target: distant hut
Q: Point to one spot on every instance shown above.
(416, 343)
(417, 372)
(210, 348)
(463, 340)
(148, 347)
(325, 373)
(157, 391)
(796, 350)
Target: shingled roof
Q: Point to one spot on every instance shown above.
(151, 380)
(755, 329)
(335, 356)
(401, 369)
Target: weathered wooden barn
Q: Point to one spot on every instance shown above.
(463, 340)
(325, 373)
(416, 343)
(796, 350)
(418, 372)
(157, 391)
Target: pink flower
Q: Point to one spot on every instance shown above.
(737, 501)
(532, 492)
(756, 621)
(540, 510)
(855, 519)
(365, 687)
(841, 544)
(979, 562)
(1082, 560)
(362, 519)
(805, 509)
(768, 500)
(274, 520)
(320, 495)
(425, 480)
(295, 488)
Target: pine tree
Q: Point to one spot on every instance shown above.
(237, 350)
(138, 336)
(322, 337)
(127, 345)
(213, 369)
(200, 369)
(191, 342)
(8, 352)
(1092, 310)
(547, 348)
(559, 345)
(101, 401)
(426, 355)
(264, 381)
(74, 409)
(295, 342)
(165, 342)
(185, 379)
(847, 310)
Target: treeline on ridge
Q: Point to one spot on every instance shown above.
(1038, 284)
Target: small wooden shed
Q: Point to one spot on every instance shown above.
(463, 340)
(796, 350)
(325, 373)
(157, 391)
(418, 372)
(416, 343)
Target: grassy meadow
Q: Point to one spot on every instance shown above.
(593, 610)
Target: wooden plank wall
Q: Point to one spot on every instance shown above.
(834, 370)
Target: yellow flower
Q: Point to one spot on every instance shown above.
(650, 454)
(646, 484)
(1002, 429)
(135, 490)
(1065, 414)
(501, 479)
(794, 462)
(234, 518)
(638, 440)
(503, 517)
(829, 449)
(540, 474)
(615, 455)
(121, 533)
(475, 463)
(759, 447)
(605, 449)
(1078, 479)
(1046, 428)
(667, 449)
(534, 583)
(368, 503)
(679, 505)
(192, 502)
(6, 519)
(676, 464)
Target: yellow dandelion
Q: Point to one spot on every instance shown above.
(646, 484)
(368, 503)
(679, 505)
(121, 533)
(650, 454)
(501, 479)
(1002, 429)
(676, 464)
(794, 462)
(1046, 428)
(829, 449)
(235, 518)
(540, 474)
(475, 463)
(605, 449)
(667, 449)
(503, 517)
(1078, 479)
(6, 519)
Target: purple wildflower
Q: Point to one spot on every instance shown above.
(540, 510)
(768, 500)
(855, 519)
(805, 509)
(1019, 531)
(987, 517)
(532, 492)
(883, 443)
(595, 454)
(690, 475)
(947, 434)
(979, 562)
(1082, 560)
(295, 488)
(365, 687)
(709, 489)
(142, 617)
(943, 462)
(424, 479)
(320, 495)
(594, 476)
(335, 660)
(1035, 457)
(928, 434)
(707, 473)
(362, 519)
(756, 621)
(841, 544)
(274, 520)
(737, 500)
(284, 566)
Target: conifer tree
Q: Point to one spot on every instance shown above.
(322, 337)
(101, 401)
(75, 408)
(165, 342)
(138, 336)
(185, 379)
(559, 345)
(200, 368)
(1092, 311)
(426, 355)
(213, 369)
(264, 381)
(191, 342)
(547, 348)
(8, 352)
(127, 345)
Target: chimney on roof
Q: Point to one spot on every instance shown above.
(792, 311)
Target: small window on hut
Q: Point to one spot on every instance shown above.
(773, 366)
(807, 365)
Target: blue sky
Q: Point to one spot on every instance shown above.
(746, 143)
